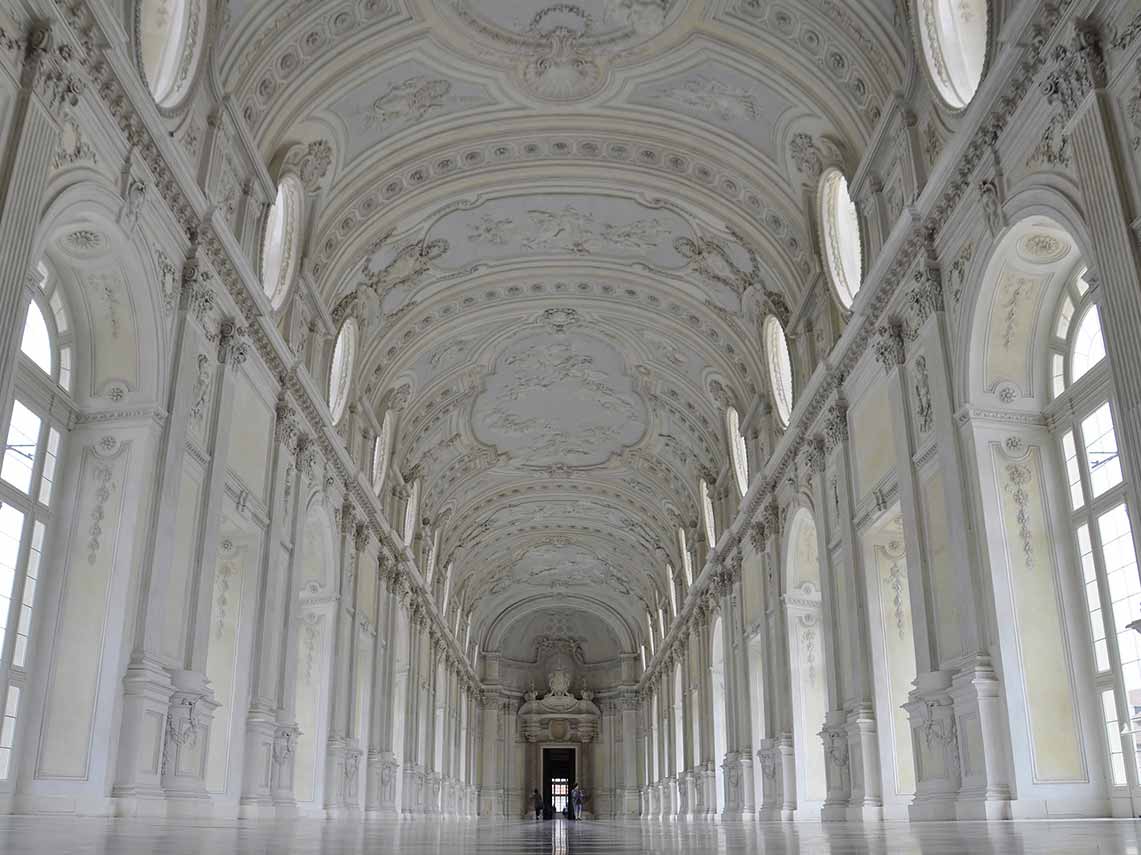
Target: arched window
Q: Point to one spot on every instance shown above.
(840, 235)
(281, 246)
(707, 514)
(954, 37)
(170, 40)
(448, 591)
(737, 449)
(650, 631)
(780, 368)
(381, 450)
(1087, 436)
(686, 558)
(671, 587)
(341, 370)
(33, 444)
(410, 512)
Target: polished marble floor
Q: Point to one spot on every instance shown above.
(71, 836)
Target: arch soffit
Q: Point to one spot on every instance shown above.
(84, 214)
(1035, 210)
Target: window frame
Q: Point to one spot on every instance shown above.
(1066, 414)
(832, 255)
(338, 405)
(738, 449)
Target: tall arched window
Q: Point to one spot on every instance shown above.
(954, 38)
(341, 369)
(686, 558)
(381, 451)
(1082, 382)
(780, 369)
(281, 246)
(707, 514)
(672, 589)
(171, 36)
(737, 449)
(840, 235)
(411, 510)
(650, 631)
(33, 444)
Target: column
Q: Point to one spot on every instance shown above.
(342, 756)
(275, 648)
(741, 778)
(380, 795)
(48, 91)
(192, 705)
(852, 703)
(409, 804)
(1078, 85)
(158, 648)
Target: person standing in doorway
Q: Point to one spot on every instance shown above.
(577, 799)
(537, 804)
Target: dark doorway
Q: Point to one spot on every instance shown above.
(558, 777)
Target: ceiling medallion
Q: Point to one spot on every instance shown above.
(1042, 248)
(83, 243)
(557, 320)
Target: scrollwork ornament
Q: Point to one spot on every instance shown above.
(889, 347)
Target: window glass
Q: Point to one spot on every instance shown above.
(11, 533)
(707, 515)
(1113, 739)
(738, 450)
(48, 474)
(1101, 450)
(170, 36)
(780, 368)
(36, 343)
(381, 453)
(1065, 315)
(953, 34)
(1073, 473)
(1089, 346)
(840, 233)
(1058, 372)
(410, 512)
(341, 370)
(8, 730)
(1093, 599)
(28, 599)
(281, 243)
(20, 452)
(672, 589)
(686, 559)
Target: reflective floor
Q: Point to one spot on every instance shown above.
(60, 836)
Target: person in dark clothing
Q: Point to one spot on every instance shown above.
(537, 804)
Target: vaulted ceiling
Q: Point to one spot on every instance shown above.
(569, 220)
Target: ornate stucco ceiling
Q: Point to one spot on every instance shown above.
(561, 225)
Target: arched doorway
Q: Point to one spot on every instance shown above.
(809, 689)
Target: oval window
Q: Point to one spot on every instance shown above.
(954, 37)
(780, 368)
(281, 245)
(738, 450)
(341, 371)
(171, 36)
(840, 234)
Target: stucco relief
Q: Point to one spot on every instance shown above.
(563, 401)
(721, 95)
(402, 97)
(1014, 313)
